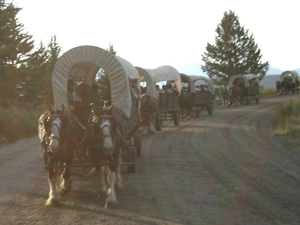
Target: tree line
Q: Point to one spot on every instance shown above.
(26, 68)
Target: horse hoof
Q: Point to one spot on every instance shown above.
(52, 202)
(112, 203)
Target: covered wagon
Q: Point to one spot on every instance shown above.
(82, 65)
(249, 84)
(204, 94)
(167, 100)
(288, 82)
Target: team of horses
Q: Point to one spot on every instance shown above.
(232, 96)
(286, 86)
(62, 136)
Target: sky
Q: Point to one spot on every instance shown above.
(153, 33)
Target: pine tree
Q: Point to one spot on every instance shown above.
(35, 73)
(234, 52)
(15, 45)
(38, 72)
(53, 51)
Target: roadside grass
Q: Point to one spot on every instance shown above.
(18, 122)
(268, 91)
(287, 122)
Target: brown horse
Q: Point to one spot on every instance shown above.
(186, 100)
(61, 135)
(279, 87)
(52, 134)
(235, 95)
(148, 110)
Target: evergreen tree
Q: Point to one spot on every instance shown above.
(35, 73)
(234, 52)
(15, 45)
(53, 51)
(39, 69)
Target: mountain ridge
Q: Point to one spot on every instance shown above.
(195, 69)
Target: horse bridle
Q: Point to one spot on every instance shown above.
(51, 118)
(106, 124)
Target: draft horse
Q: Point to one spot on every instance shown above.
(148, 110)
(279, 87)
(224, 94)
(185, 100)
(52, 135)
(61, 135)
(235, 95)
(108, 132)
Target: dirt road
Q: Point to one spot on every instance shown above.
(227, 168)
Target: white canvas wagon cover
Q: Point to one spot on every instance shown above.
(245, 77)
(165, 73)
(294, 74)
(205, 80)
(146, 77)
(188, 79)
(82, 64)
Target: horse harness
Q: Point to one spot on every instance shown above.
(147, 105)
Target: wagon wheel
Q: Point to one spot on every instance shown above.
(198, 111)
(138, 144)
(176, 118)
(158, 122)
(131, 159)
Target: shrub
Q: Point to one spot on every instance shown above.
(18, 122)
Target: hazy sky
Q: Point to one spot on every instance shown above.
(153, 33)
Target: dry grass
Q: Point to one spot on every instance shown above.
(18, 122)
(287, 122)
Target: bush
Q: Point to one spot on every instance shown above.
(18, 122)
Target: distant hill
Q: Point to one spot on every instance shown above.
(269, 81)
(273, 70)
(195, 69)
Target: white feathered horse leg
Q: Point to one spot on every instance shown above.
(53, 198)
(119, 179)
(151, 127)
(111, 198)
(102, 181)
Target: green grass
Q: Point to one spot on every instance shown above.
(266, 92)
